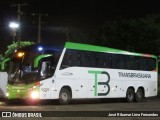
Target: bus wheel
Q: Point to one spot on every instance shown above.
(139, 95)
(64, 96)
(130, 95)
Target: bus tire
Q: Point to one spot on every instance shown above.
(64, 96)
(139, 95)
(130, 95)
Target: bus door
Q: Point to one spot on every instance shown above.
(46, 84)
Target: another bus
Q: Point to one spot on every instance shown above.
(80, 71)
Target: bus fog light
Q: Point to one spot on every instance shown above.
(34, 95)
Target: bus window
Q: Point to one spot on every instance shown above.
(100, 61)
(143, 63)
(134, 62)
(114, 61)
(152, 63)
(121, 64)
(107, 60)
(70, 59)
(128, 62)
(82, 59)
(74, 58)
(90, 60)
(66, 60)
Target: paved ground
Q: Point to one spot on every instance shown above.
(152, 104)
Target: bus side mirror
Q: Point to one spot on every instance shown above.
(45, 69)
(38, 59)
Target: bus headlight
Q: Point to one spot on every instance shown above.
(7, 94)
(34, 94)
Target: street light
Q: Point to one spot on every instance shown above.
(13, 26)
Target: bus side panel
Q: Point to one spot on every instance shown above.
(106, 83)
(74, 78)
(136, 79)
(90, 82)
(45, 88)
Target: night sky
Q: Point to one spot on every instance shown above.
(77, 16)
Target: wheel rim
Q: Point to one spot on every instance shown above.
(130, 96)
(139, 96)
(64, 96)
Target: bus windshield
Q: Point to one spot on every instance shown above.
(21, 70)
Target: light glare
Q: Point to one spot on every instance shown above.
(13, 25)
(20, 54)
(7, 94)
(34, 95)
(40, 48)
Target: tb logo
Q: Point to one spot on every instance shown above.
(96, 83)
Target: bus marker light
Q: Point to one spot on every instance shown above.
(20, 54)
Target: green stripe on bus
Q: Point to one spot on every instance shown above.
(38, 58)
(79, 46)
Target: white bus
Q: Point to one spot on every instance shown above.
(80, 71)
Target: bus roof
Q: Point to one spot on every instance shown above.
(79, 46)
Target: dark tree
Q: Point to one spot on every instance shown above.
(137, 35)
